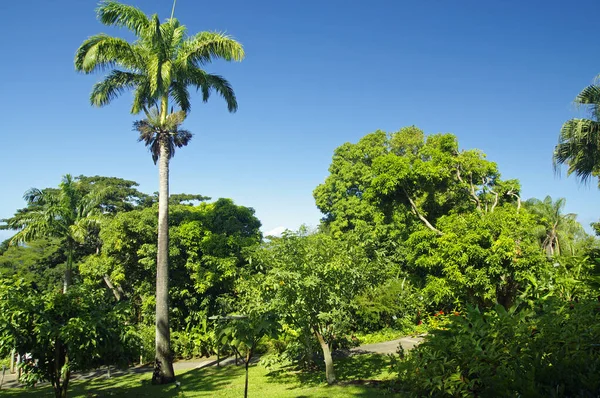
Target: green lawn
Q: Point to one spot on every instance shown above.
(229, 382)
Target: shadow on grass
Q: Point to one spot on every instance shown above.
(228, 382)
(370, 371)
(139, 385)
(353, 368)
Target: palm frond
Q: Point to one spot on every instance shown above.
(142, 98)
(113, 13)
(174, 120)
(207, 82)
(223, 88)
(579, 148)
(33, 196)
(102, 52)
(165, 75)
(180, 95)
(590, 97)
(154, 76)
(181, 138)
(115, 84)
(148, 135)
(202, 48)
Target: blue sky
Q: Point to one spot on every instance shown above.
(499, 75)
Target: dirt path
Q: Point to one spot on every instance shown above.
(388, 347)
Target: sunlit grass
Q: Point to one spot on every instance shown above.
(229, 382)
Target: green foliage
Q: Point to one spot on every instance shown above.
(482, 258)
(40, 262)
(381, 335)
(60, 225)
(386, 184)
(194, 342)
(392, 304)
(117, 194)
(553, 352)
(161, 64)
(312, 279)
(64, 332)
(205, 249)
(579, 139)
(558, 233)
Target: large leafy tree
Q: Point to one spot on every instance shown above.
(159, 67)
(386, 186)
(579, 140)
(65, 213)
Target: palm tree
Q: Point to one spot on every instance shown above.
(557, 231)
(64, 213)
(579, 140)
(159, 67)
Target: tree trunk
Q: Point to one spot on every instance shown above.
(12, 361)
(248, 356)
(329, 371)
(69, 271)
(60, 381)
(163, 364)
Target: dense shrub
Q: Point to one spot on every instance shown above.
(553, 351)
(393, 304)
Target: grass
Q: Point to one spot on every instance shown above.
(228, 382)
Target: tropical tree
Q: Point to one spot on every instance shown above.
(579, 140)
(311, 281)
(78, 330)
(557, 231)
(159, 67)
(65, 213)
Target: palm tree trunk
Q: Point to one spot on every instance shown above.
(163, 365)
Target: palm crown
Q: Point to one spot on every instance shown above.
(579, 139)
(154, 132)
(160, 65)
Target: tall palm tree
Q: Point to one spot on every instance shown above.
(64, 213)
(557, 231)
(159, 66)
(579, 140)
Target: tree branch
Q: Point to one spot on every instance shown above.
(421, 217)
(116, 291)
(495, 200)
(474, 196)
(511, 193)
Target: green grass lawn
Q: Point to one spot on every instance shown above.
(229, 382)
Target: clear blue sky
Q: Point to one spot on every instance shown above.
(501, 75)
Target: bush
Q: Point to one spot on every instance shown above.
(394, 304)
(194, 342)
(553, 352)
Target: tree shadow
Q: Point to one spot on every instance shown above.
(350, 368)
(358, 372)
(134, 384)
